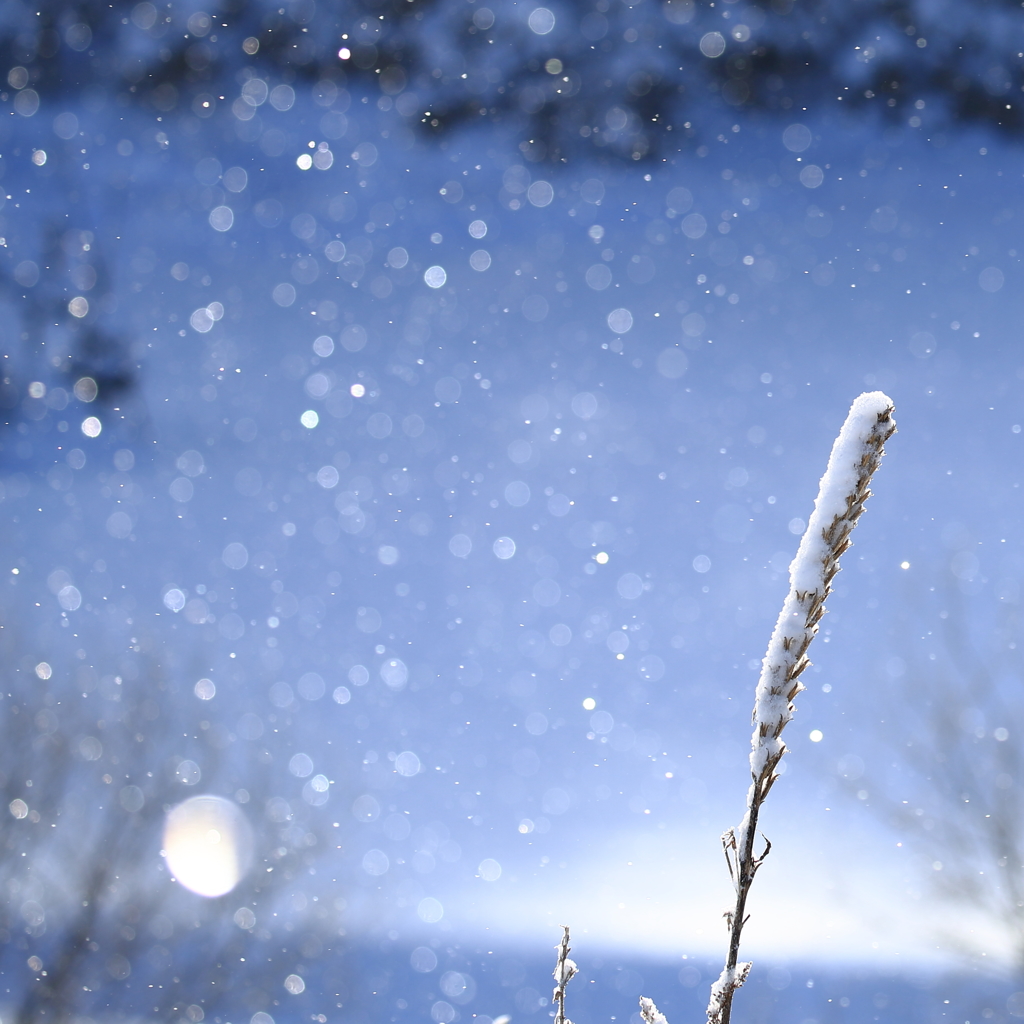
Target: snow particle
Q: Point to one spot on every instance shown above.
(504, 548)
(435, 277)
(490, 870)
(712, 44)
(430, 910)
(541, 21)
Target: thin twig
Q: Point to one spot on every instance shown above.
(841, 497)
(565, 970)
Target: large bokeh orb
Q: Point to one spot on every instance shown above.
(208, 844)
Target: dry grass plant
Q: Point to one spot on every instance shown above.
(843, 491)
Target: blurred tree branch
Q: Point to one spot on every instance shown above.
(953, 722)
(90, 917)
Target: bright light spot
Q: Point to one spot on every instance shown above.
(78, 306)
(589, 704)
(208, 844)
(620, 320)
(304, 162)
(18, 808)
(327, 477)
(201, 320)
(435, 277)
(205, 689)
(294, 984)
(43, 670)
(712, 44)
(39, 157)
(344, 53)
(394, 673)
(601, 558)
(357, 391)
(221, 218)
(904, 565)
(91, 427)
(817, 735)
(37, 389)
(309, 419)
(504, 548)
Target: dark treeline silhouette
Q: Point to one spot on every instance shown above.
(597, 79)
(625, 77)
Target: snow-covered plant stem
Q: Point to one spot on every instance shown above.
(841, 497)
(565, 970)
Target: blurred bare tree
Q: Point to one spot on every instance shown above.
(91, 758)
(953, 725)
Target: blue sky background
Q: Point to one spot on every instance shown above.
(644, 454)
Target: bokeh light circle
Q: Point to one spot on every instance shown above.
(208, 844)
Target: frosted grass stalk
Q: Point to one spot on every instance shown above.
(841, 497)
(565, 970)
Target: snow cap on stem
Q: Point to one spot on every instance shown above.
(840, 502)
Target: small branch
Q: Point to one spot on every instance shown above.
(565, 970)
(840, 503)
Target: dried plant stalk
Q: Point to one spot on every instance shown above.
(565, 970)
(650, 1013)
(841, 497)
